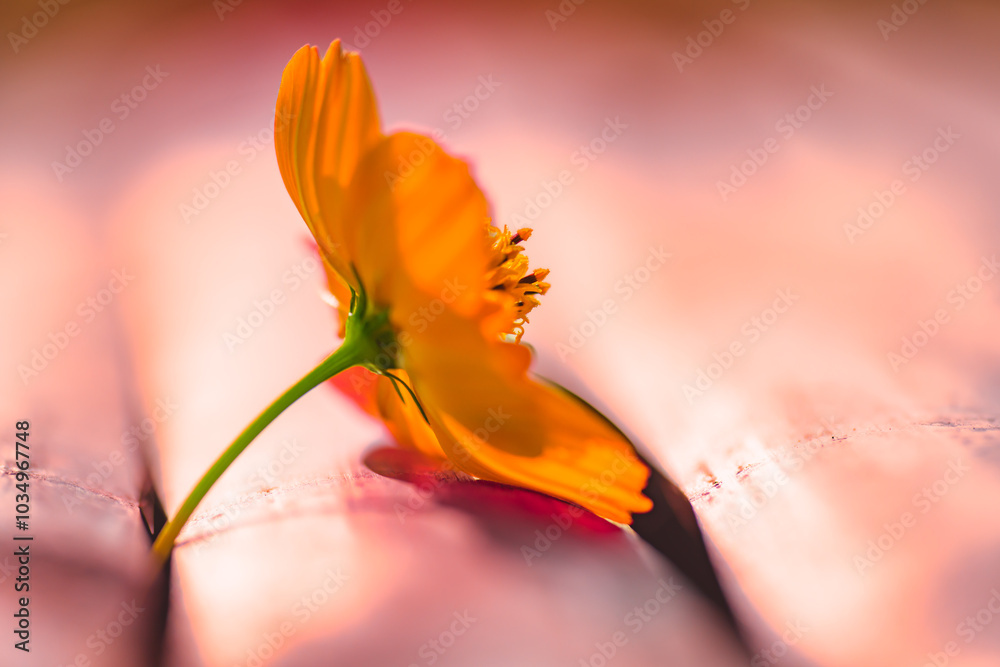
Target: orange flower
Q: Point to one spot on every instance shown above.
(438, 296)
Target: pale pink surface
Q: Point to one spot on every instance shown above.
(820, 371)
(89, 548)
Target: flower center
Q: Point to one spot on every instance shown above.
(509, 278)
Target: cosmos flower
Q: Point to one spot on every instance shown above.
(433, 299)
(405, 235)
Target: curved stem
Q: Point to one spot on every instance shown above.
(349, 354)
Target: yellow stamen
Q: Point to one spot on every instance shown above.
(511, 280)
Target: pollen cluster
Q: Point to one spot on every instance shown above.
(510, 275)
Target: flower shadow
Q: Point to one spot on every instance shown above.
(511, 516)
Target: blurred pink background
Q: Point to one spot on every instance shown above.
(824, 384)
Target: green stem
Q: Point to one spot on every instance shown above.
(351, 353)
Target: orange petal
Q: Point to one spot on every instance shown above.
(417, 231)
(375, 395)
(325, 121)
(495, 422)
(403, 418)
(358, 384)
